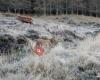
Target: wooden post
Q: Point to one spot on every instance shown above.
(15, 11)
(96, 11)
(57, 7)
(77, 10)
(19, 11)
(44, 7)
(8, 10)
(23, 11)
(66, 7)
(72, 6)
(89, 12)
(82, 10)
(50, 7)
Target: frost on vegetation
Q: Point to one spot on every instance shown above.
(74, 57)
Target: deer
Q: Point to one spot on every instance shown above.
(25, 19)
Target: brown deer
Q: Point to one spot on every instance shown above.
(46, 41)
(25, 19)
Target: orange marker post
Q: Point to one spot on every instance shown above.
(39, 50)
